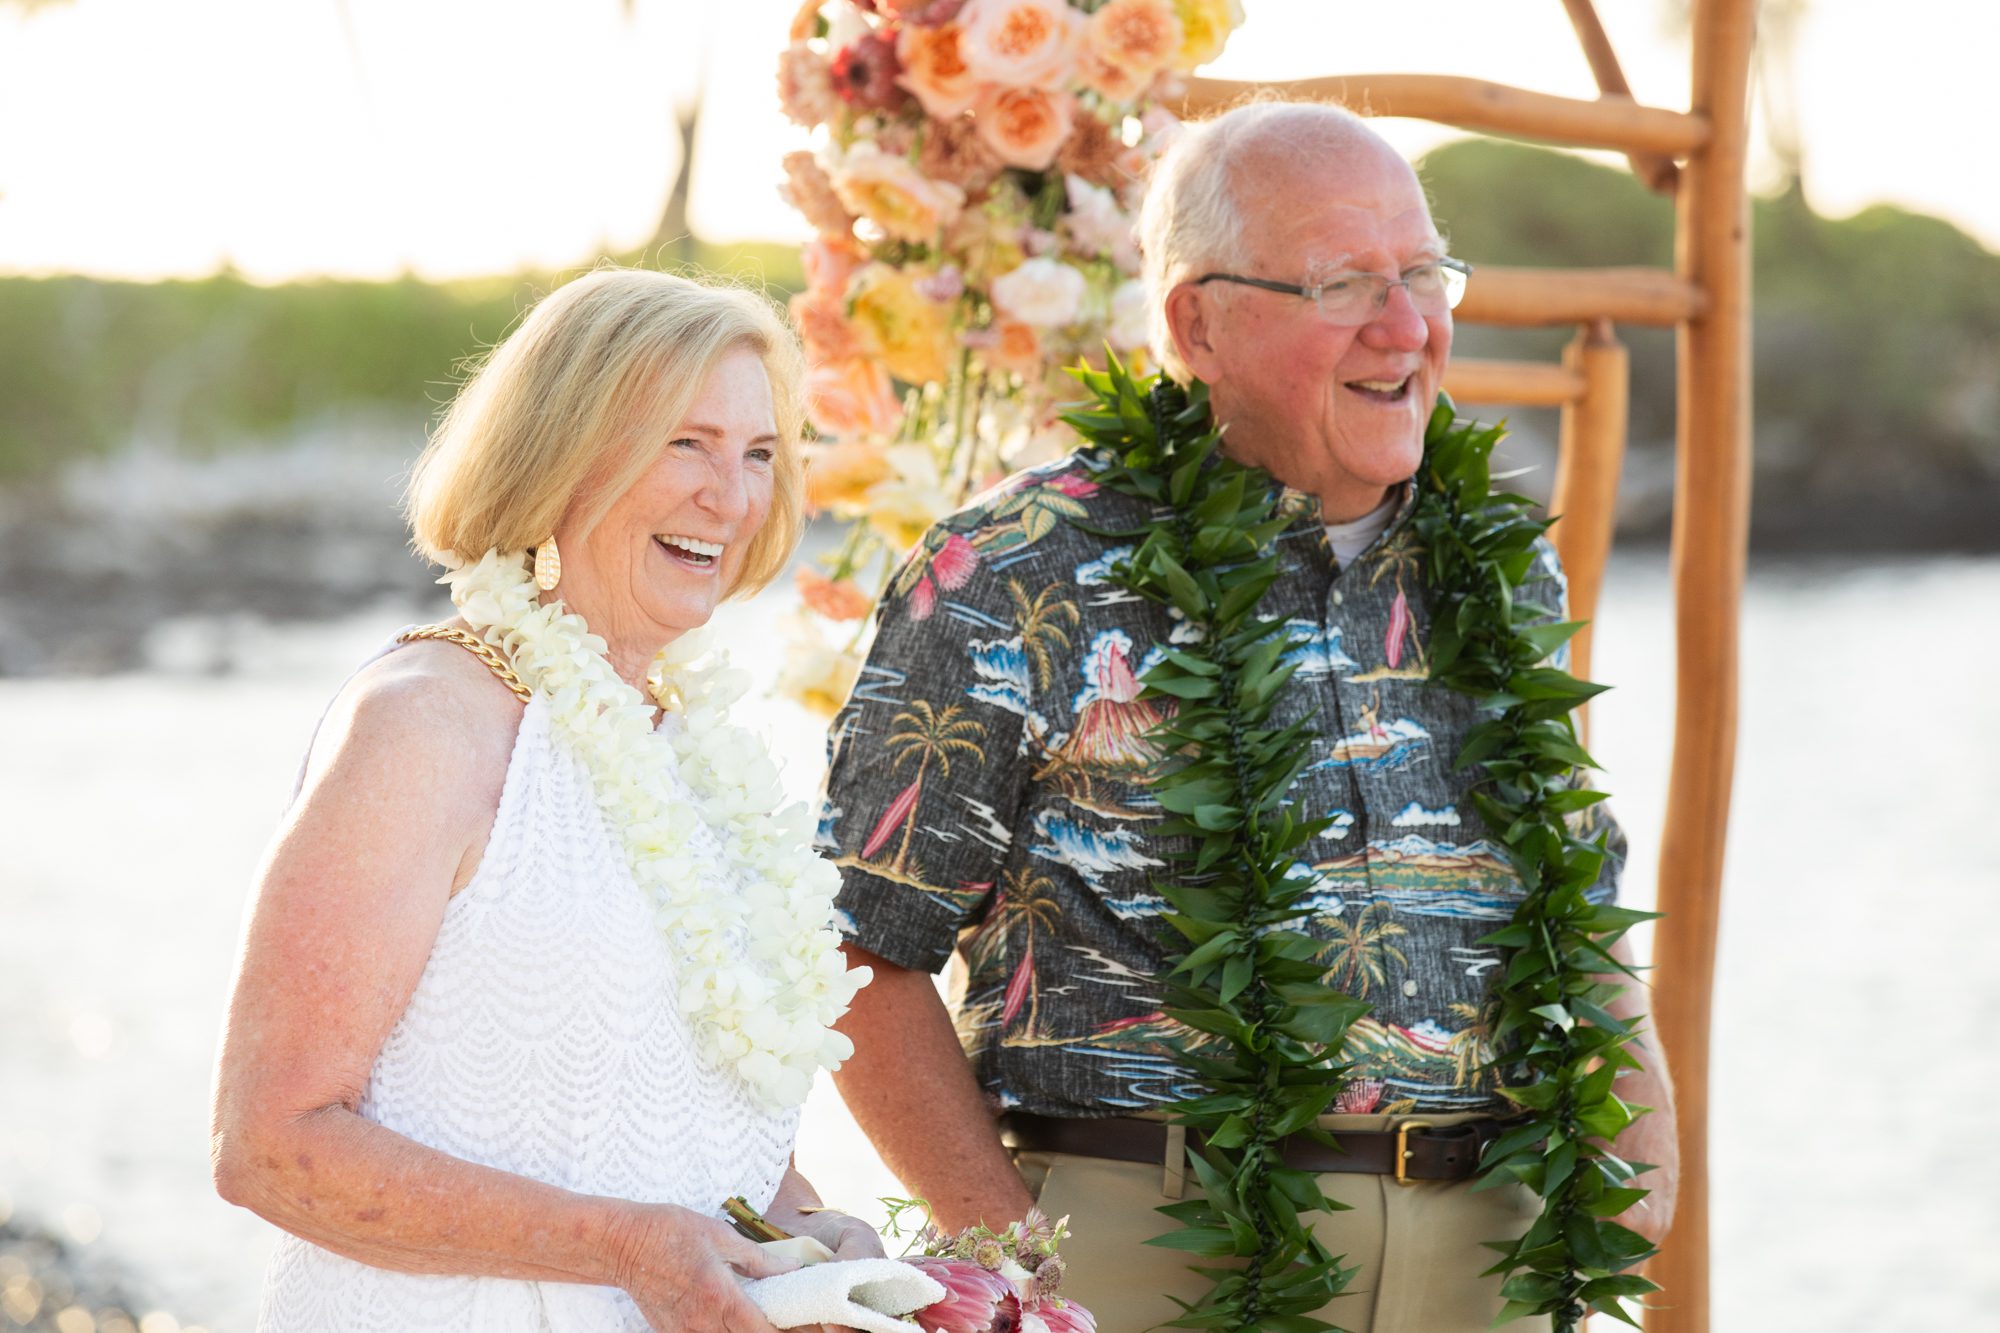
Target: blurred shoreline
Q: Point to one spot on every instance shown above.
(157, 559)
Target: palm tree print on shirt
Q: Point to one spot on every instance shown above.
(1026, 907)
(929, 735)
(1041, 617)
(1358, 950)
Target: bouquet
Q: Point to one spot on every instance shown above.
(998, 1282)
(992, 1282)
(975, 171)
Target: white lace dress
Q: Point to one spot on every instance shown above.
(543, 1039)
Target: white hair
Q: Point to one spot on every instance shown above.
(1190, 221)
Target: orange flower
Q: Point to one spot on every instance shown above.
(829, 261)
(823, 328)
(835, 601)
(934, 69)
(1025, 126)
(851, 400)
(909, 332)
(1140, 35)
(838, 475)
(1017, 347)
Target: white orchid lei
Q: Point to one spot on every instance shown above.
(762, 977)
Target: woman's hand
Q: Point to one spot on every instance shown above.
(681, 1269)
(848, 1237)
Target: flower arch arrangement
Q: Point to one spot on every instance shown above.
(976, 169)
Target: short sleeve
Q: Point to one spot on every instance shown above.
(926, 769)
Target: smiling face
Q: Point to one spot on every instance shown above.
(671, 547)
(1338, 412)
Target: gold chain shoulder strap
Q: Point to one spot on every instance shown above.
(478, 647)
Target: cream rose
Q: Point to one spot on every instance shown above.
(1022, 43)
(894, 195)
(1042, 292)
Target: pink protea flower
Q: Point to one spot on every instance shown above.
(976, 1301)
(1058, 1317)
(864, 73)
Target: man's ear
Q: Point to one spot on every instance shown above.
(1191, 321)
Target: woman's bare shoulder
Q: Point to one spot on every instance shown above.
(428, 708)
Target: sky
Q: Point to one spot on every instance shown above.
(363, 138)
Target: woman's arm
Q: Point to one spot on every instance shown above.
(393, 816)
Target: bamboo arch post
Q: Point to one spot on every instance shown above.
(1710, 537)
(1590, 455)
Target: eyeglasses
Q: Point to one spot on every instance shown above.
(1353, 299)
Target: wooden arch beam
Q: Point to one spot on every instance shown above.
(1477, 104)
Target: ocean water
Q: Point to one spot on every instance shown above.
(1854, 1077)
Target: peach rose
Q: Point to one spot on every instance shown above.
(898, 323)
(808, 189)
(1140, 35)
(894, 195)
(1025, 126)
(1022, 43)
(840, 600)
(851, 400)
(1014, 346)
(934, 69)
(1205, 27)
(1110, 80)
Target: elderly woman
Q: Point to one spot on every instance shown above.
(535, 979)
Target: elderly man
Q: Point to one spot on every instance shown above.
(988, 793)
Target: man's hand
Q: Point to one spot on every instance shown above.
(1654, 1137)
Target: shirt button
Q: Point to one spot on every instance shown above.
(1409, 988)
(1337, 598)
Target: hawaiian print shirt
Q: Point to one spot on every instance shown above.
(987, 794)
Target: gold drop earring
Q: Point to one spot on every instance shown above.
(548, 564)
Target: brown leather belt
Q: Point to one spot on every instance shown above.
(1423, 1151)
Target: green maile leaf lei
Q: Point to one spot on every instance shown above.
(1245, 972)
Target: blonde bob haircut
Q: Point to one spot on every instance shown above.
(573, 407)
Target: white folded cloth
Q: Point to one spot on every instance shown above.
(866, 1294)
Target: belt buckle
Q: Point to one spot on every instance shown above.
(1403, 1150)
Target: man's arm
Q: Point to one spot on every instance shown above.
(913, 1093)
(1651, 1138)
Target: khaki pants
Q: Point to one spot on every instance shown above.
(1417, 1247)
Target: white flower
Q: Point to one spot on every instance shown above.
(1043, 292)
(1129, 311)
(767, 1015)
